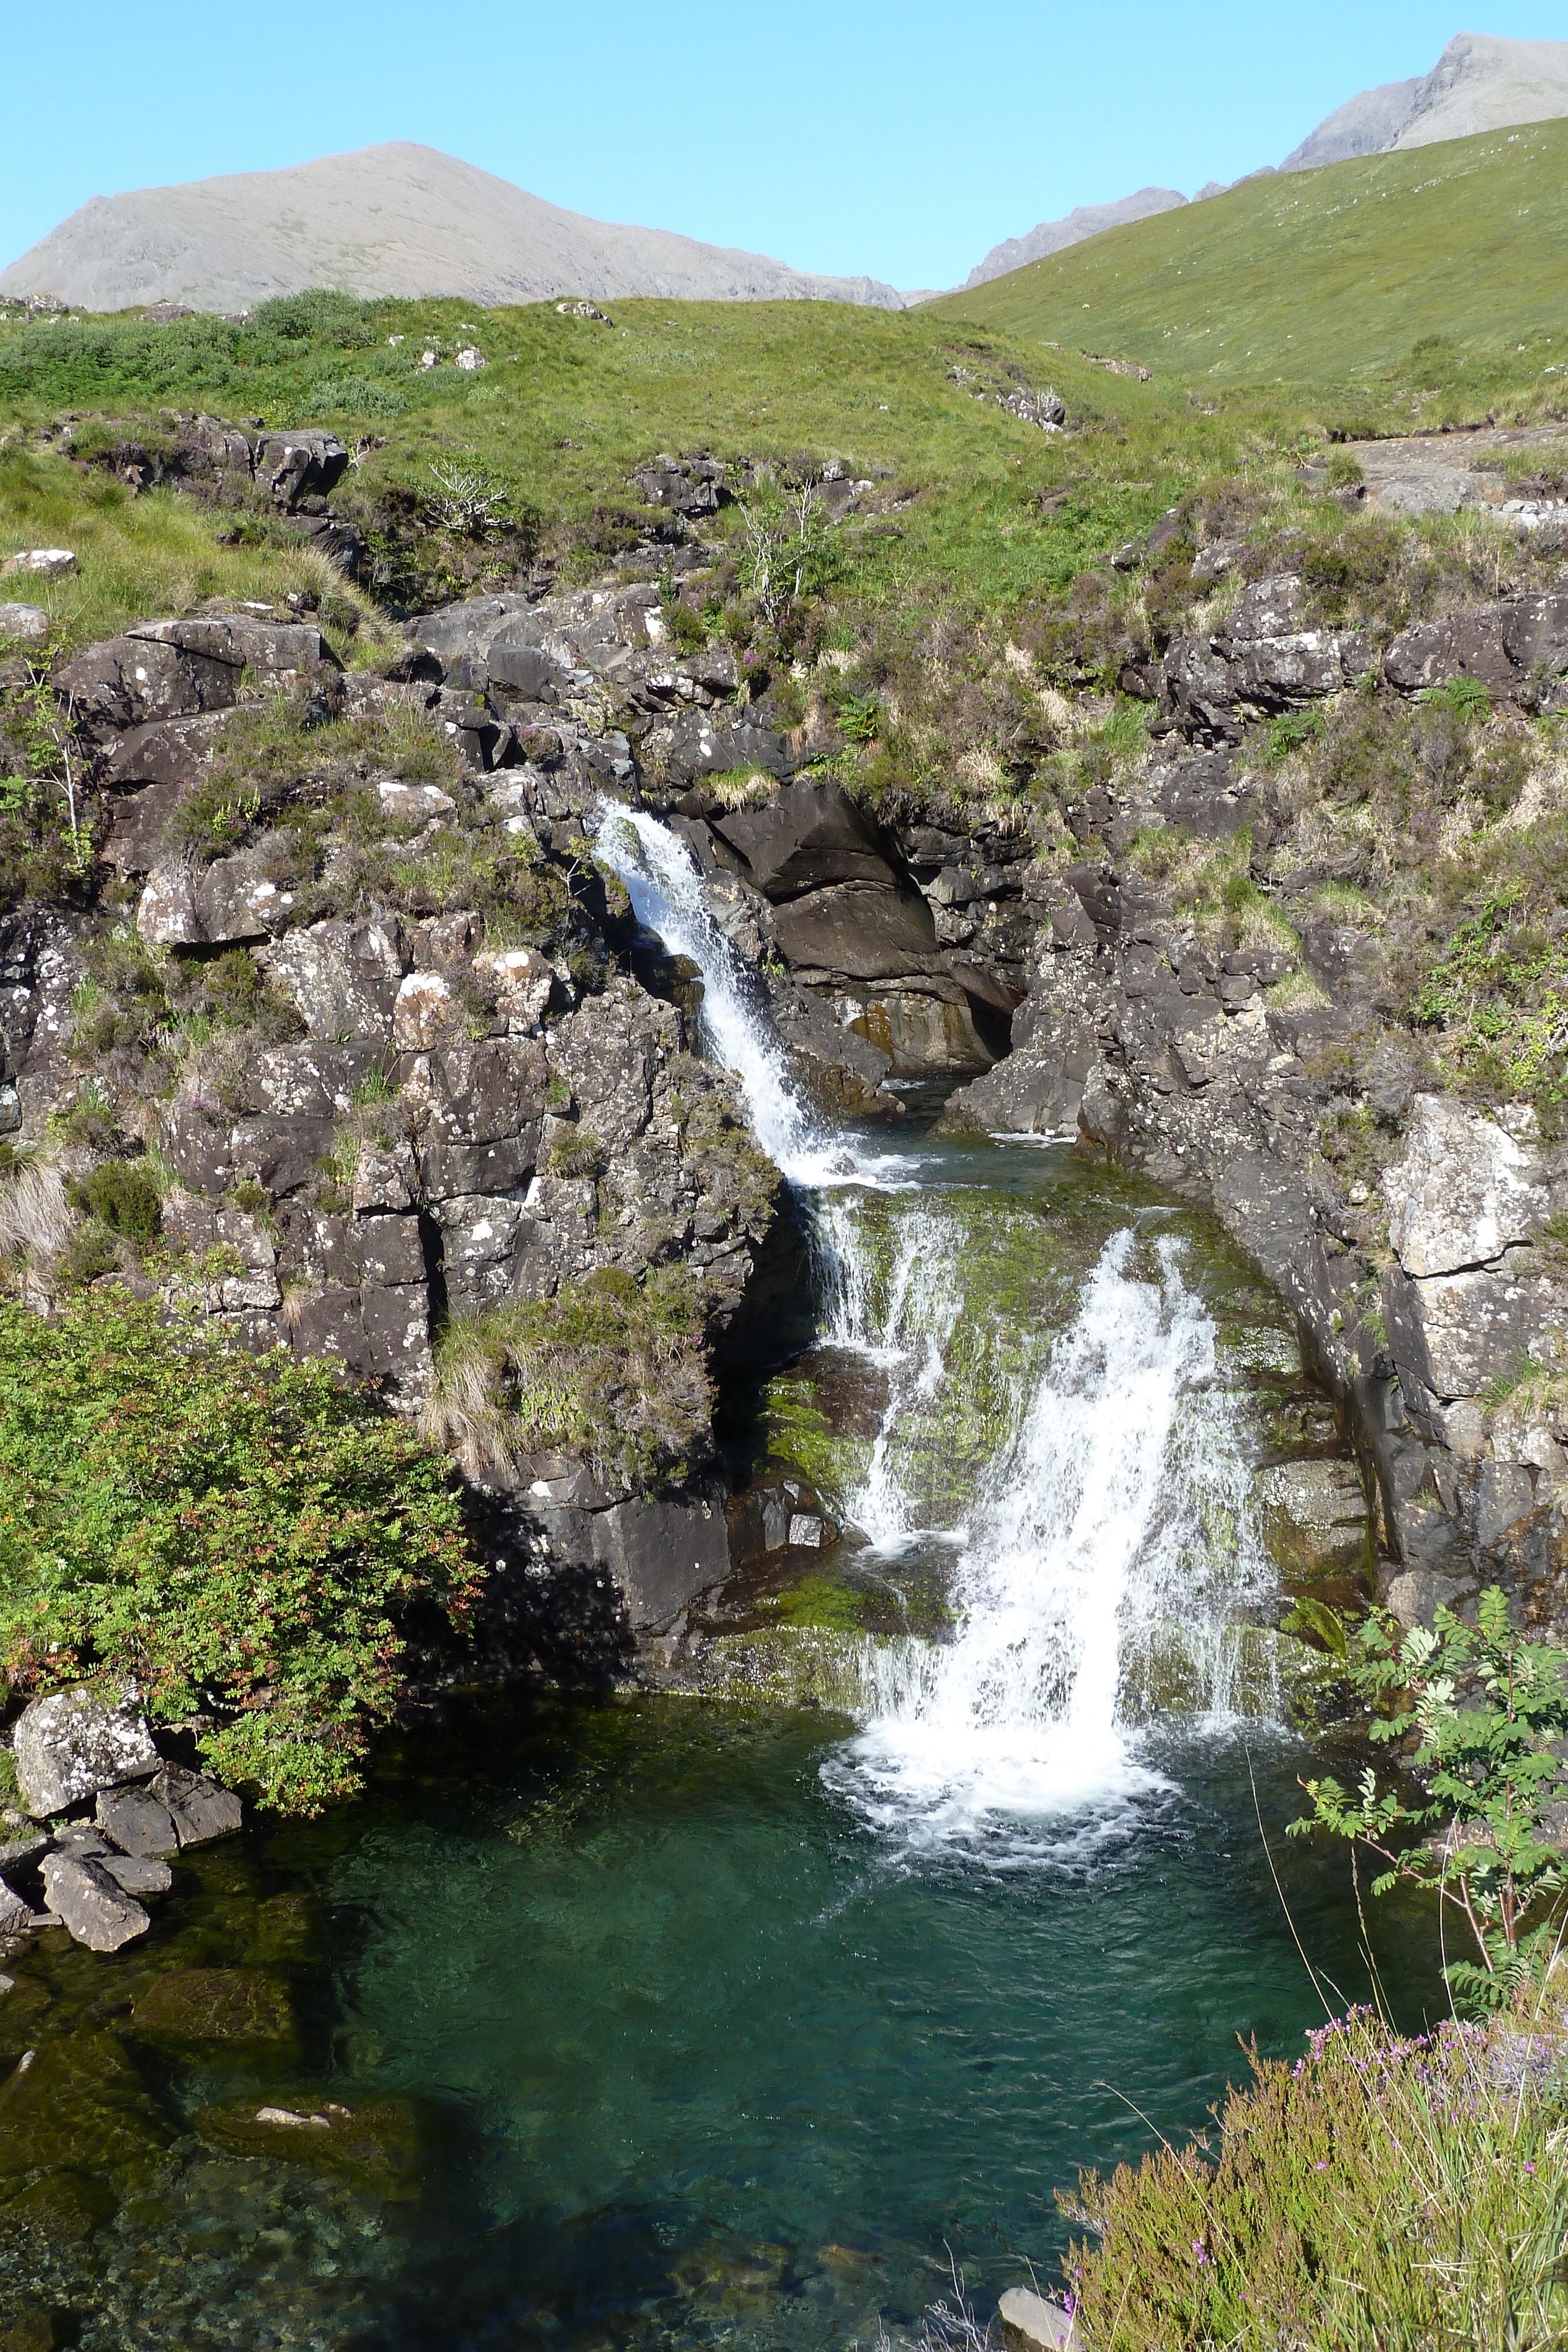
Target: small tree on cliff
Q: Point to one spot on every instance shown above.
(1485, 1707)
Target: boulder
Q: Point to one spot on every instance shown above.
(201, 1808)
(135, 1821)
(1453, 1333)
(662, 1555)
(465, 632)
(1269, 608)
(1535, 633)
(1469, 645)
(806, 837)
(522, 980)
(78, 2104)
(859, 930)
(139, 1874)
(24, 625)
(165, 751)
(703, 745)
(83, 1892)
(293, 466)
(1416, 1595)
(1464, 1191)
(343, 977)
(132, 681)
(1027, 2315)
(215, 2005)
(428, 1014)
(39, 563)
(277, 655)
(75, 1742)
(1277, 671)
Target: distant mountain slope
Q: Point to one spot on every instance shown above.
(1087, 221)
(1479, 83)
(1317, 277)
(397, 219)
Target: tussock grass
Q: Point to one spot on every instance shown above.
(606, 1371)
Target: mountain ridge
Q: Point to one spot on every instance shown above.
(393, 219)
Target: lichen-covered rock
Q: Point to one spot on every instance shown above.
(72, 1743)
(80, 1890)
(1464, 1193)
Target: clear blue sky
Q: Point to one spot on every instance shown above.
(902, 140)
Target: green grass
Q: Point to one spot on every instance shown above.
(1316, 277)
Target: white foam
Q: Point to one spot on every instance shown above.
(1094, 1518)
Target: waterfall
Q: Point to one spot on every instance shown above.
(1116, 1506)
(1113, 1514)
(666, 893)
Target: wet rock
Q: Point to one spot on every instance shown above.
(377, 2145)
(200, 1808)
(75, 1742)
(35, 2331)
(139, 1874)
(77, 2104)
(81, 1891)
(232, 2006)
(1030, 2316)
(662, 1555)
(1463, 1192)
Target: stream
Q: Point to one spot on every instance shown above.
(674, 2021)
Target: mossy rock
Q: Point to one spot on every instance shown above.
(78, 2104)
(198, 2008)
(35, 2331)
(64, 2207)
(376, 2146)
(285, 1927)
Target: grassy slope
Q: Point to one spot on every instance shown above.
(566, 407)
(1316, 277)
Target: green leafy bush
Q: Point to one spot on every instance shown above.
(243, 1536)
(123, 1198)
(1487, 1710)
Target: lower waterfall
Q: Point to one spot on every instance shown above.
(1105, 1528)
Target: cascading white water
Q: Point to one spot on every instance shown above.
(666, 893)
(1090, 1524)
(1116, 1502)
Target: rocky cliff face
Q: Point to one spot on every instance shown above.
(345, 1005)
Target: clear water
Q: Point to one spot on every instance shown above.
(718, 2061)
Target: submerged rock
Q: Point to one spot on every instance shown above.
(377, 2145)
(78, 2104)
(215, 2005)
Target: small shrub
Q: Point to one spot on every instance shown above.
(122, 1197)
(242, 1538)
